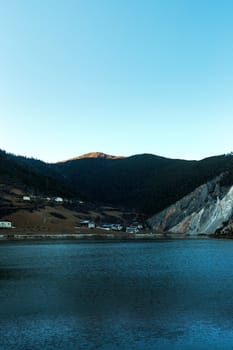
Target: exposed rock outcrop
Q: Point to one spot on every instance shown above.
(206, 210)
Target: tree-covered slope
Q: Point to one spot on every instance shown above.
(26, 173)
(146, 182)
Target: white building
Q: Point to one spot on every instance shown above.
(5, 224)
(26, 198)
(87, 223)
(91, 224)
(131, 229)
(58, 200)
(117, 227)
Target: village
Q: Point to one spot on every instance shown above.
(30, 213)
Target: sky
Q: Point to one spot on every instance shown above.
(121, 77)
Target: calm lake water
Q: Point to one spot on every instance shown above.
(136, 295)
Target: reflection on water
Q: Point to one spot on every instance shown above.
(160, 295)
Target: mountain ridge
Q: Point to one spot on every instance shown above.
(144, 182)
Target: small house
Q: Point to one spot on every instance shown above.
(132, 229)
(87, 223)
(117, 227)
(5, 224)
(58, 200)
(91, 224)
(84, 223)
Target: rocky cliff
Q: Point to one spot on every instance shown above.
(208, 209)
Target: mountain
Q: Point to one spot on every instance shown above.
(146, 182)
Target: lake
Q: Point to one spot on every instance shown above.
(170, 294)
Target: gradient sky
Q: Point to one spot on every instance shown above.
(117, 76)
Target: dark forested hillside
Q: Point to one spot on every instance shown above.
(34, 176)
(145, 182)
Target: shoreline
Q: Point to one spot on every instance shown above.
(93, 237)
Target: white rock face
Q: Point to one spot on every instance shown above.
(203, 211)
(209, 219)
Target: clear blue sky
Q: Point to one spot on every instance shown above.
(117, 76)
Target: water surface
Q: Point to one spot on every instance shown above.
(136, 295)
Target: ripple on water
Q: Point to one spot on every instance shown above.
(168, 295)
